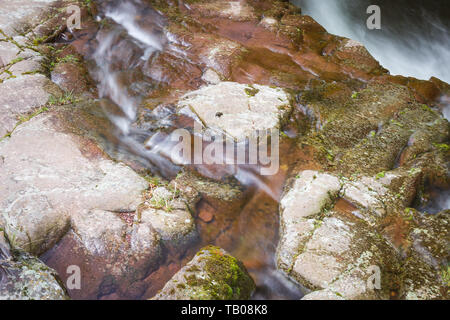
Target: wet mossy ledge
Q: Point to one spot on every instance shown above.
(212, 274)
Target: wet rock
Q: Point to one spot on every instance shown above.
(339, 257)
(233, 10)
(70, 77)
(244, 109)
(383, 193)
(212, 275)
(18, 58)
(50, 175)
(354, 54)
(121, 253)
(116, 257)
(217, 204)
(206, 216)
(336, 251)
(8, 52)
(23, 277)
(211, 77)
(310, 194)
(366, 132)
(194, 186)
(217, 53)
(23, 86)
(24, 67)
(336, 256)
(376, 136)
(426, 268)
(367, 193)
(169, 215)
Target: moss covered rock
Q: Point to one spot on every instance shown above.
(212, 275)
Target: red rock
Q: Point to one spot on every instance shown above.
(206, 216)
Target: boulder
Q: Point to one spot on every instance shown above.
(21, 96)
(212, 275)
(116, 251)
(49, 175)
(369, 248)
(23, 277)
(237, 109)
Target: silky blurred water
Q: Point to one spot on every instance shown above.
(414, 39)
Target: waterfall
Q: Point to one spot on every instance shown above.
(414, 39)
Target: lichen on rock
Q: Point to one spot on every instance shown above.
(335, 251)
(24, 277)
(211, 275)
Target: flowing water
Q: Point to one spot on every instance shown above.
(123, 62)
(414, 39)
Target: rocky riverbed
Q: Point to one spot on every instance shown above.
(86, 180)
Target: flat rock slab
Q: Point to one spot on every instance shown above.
(337, 250)
(233, 10)
(8, 52)
(17, 15)
(321, 249)
(310, 193)
(47, 175)
(20, 96)
(237, 109)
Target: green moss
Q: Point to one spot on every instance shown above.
(67, 98)
(442, 146)
(251, 92)
(227, 277)
(380, 175)
(70, 58)
(23, 119)
(426, 108)
(397, 123)
(37, 41)
(230, 272)
(445, 274)
(16, 60)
